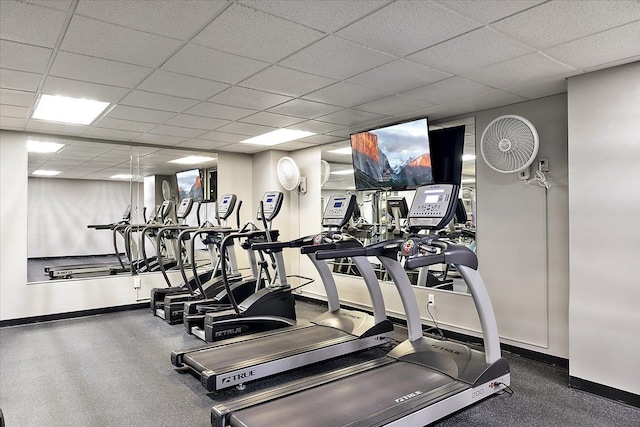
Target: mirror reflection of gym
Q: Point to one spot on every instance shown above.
(381, 214)
(83, 198)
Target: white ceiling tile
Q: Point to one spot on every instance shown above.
(138, 98)
(345, 94)
(398, 76)
(79, 89)
(111, 123)
(249, 98)
(247, 129)
(487, 11)
(270, 119)
(180, 85)
(296, 145)
(170, 18)
(97, 70)
(319, 139)
(336, 58)
(448, 90)
(56, 128)
(14, 111)
(13, 123)
(200, 61)
(30, 24)
(286, 81)
(485, 101)
(139, 114)
(112, 134)
(557, 22)
(19, 80)
(350, 117)
(202, 144)
(244, 148)
(540, 88)
(109, 41)
(316, 126)
(601, 48)
(469, 51)
(159, 139)
(177, 131)
(17, 97)
(219, 111)
(435, 113)
(254, 34)
(321, 15)
(404, 27)
(196, 122)
(222, 137)
(517, 71)
(393, 105)
(305, 109)
(55, 4)
(613, 64)
(22, 57)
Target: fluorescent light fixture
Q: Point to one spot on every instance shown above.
(345, 150)
(34, 146)
(192, 160)
(342, 172)
(44, 172)
(468, 157)
(279, 136)
(122, 176)
(68, 110)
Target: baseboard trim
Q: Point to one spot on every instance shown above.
(605, 391)
(73, 314)
(529, 354)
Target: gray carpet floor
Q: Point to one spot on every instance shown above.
(115, 370)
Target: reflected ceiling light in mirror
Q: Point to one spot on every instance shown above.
(342, 172)
(34, 146)
(68, 110)
(44, 172)
(276, 137)
(345, 150)
(468, 181)
(468, 157)
(193, 160)
(122, 176)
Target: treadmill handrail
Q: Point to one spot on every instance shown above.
(387, 248)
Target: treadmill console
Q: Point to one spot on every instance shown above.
(226, 205)
(433, 206)
(165, 209)
(126, 216)
(185, 207)
(271, 204)
(338, 210)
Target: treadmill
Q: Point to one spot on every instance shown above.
(70, 270)
(422, 379)
(335, 333)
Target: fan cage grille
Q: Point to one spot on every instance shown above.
(509, 144)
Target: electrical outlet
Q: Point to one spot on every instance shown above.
(432, 300)
(543, 165)
(136, 283)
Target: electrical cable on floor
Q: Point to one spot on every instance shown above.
(434, 321)
(506, 388)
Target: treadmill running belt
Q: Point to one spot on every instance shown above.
(271, 347)
(347, 400)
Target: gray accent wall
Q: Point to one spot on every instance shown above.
(604, 174)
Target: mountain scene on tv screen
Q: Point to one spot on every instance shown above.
(373, 169)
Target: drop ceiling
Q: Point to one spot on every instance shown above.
(204, 75)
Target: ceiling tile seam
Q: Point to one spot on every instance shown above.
(42, 5)
(444, 6)
(52, 57)
(178, 48)
(592, 34)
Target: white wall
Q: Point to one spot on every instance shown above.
(604, 172)
(59, 211)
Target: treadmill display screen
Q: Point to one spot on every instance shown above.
(337, 205)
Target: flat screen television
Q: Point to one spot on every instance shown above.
(190, 185)
(395, 157)
(447, 146)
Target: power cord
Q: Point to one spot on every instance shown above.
(506, 388)
(434, 321)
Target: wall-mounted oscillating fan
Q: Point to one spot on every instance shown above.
(509, 144)
(325, 171)
(289, 175)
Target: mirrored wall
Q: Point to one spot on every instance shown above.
(88, 200)
(375, 220)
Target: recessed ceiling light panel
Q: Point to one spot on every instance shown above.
(345, 150)
(122, 176)
(276, 137)
(342, 172)
(468, 157)
(68, 110)
(44, 172)
(192, 160)
(34, 146)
